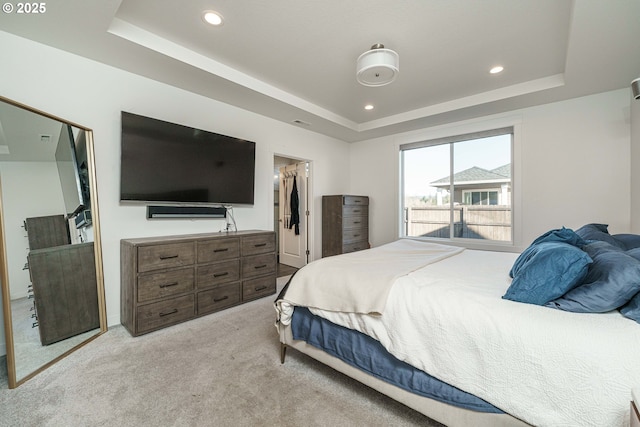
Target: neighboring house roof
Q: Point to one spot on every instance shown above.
(477, 175)
(504, 170)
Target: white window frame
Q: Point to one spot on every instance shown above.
(452, 133)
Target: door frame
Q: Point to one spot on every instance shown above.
(306, 214)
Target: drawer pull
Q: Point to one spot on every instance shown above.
(162, 314)
(356, 211)
(221, 250)
(356, 235)
(356, 222)
(260, 266)
(257, 245)
(166, 285)
(226, 273)
(357, 201)
(221, 299)
(163, 257)
(260, 288)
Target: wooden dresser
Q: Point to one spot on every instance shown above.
(345, 224)
(168, 280)
(63, 280)
(47, 231)
(65, 290)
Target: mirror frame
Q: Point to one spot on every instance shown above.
(4, 272)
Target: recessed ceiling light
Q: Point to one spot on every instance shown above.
(497, 69)
(368, 107)
(212, 17)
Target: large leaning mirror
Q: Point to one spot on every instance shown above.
(50, 251)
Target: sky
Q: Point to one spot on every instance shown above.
(425, 165)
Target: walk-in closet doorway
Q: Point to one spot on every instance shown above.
(291, 199)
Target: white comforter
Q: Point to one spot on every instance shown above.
(359, 282)
(544, 366)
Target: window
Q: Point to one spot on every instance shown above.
(458, 187)
(482, 197)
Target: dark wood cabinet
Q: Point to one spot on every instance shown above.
(47, 231)
(345, 224)
(168, 280)
(63, 280)
(65, 291)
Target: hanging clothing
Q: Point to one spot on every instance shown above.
(295, 214)
(286, 215)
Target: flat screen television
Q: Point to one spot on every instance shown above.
(167, 163)
(71, 160)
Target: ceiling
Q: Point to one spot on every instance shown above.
(27, 136)
(295, 61)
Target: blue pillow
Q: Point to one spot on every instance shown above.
(635, 252)
(613, 279)
(564, 235)
(629, 241)
(632, 308)
(598, 232)
(546, 271)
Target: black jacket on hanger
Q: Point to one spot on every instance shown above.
(295, 214)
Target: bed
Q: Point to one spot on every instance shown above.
(411, 314)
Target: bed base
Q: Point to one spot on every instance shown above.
(449, 415)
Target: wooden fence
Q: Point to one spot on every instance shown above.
(471, 222)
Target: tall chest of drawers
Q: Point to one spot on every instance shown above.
(168, 280)
(345, 224)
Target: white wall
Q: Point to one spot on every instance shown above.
(573, 166)
(92, 94)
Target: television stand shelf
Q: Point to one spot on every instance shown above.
(172, 279)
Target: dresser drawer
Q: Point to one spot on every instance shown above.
(163, 284)
(164, 256)
(218, 250)
(218, 298)
(355, 200)
(164, 313)
(256, 288)
(258, 265)
(355, 247)
(353, 222)
(218, 273)
(355, 210)
(355, 235)
(259, 244)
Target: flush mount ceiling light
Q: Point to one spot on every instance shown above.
(497, 69)
(212, 17)
(378, 66)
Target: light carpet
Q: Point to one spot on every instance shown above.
(218, 370)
